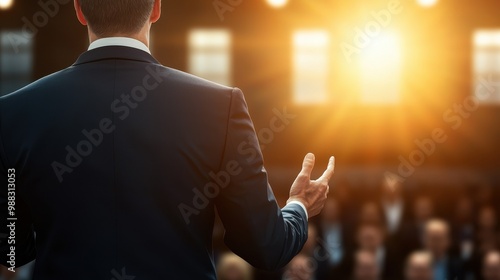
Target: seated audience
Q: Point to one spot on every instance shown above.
(374, 243)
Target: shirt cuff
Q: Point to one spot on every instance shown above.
(301, 205)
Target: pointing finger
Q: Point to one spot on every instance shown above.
(327, 175)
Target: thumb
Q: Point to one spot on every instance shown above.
(308, 165)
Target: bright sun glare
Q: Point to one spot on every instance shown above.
(5, 4)
(277, 3)
(427, 3)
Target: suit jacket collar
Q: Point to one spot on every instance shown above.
(115, 52)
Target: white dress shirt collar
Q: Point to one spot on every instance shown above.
(394, 214)
(119, 41)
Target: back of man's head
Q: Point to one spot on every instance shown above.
(116, 17)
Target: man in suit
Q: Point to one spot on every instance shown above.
(437, 241)
(118, 164)
(334, 243)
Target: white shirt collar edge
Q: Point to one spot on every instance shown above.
(119, 41)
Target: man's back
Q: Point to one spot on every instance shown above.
(120, 162)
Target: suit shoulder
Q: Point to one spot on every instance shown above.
(187, 80)
(35, 87)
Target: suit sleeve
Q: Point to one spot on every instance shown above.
(256, 228)
(17, 241)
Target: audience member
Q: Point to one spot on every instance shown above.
(365, 266)
(437, 242)
(335, 242)
(483, 193)
(491, 266)
(487, 223)
(232, 267)
(463, 228)
(300, 268)
(371, 238)
(393, 206)
(311, 244)
(423, 211)
(371, 214)
(419, 266)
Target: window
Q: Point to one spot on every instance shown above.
(310, 66)
(487, 66)
(209, 54)
(16, 61)
(381, 70)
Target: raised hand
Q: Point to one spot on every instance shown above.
(312, 193)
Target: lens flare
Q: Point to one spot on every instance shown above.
(6, 4)
(277, 3)
(427, 3)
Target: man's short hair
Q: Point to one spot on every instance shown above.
(111, 17)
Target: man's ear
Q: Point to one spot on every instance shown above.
(156, 14)
(79, 13)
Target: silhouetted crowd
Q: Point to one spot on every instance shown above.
(392, 233)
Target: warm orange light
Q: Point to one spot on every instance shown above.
(311, 66)
(427, 3)
(209, 54)
(6, 4)
(487, 38)
(277, 3)
(381, 69)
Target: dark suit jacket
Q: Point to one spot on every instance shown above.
(455, 269)
(341, 270)
(120, 164)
